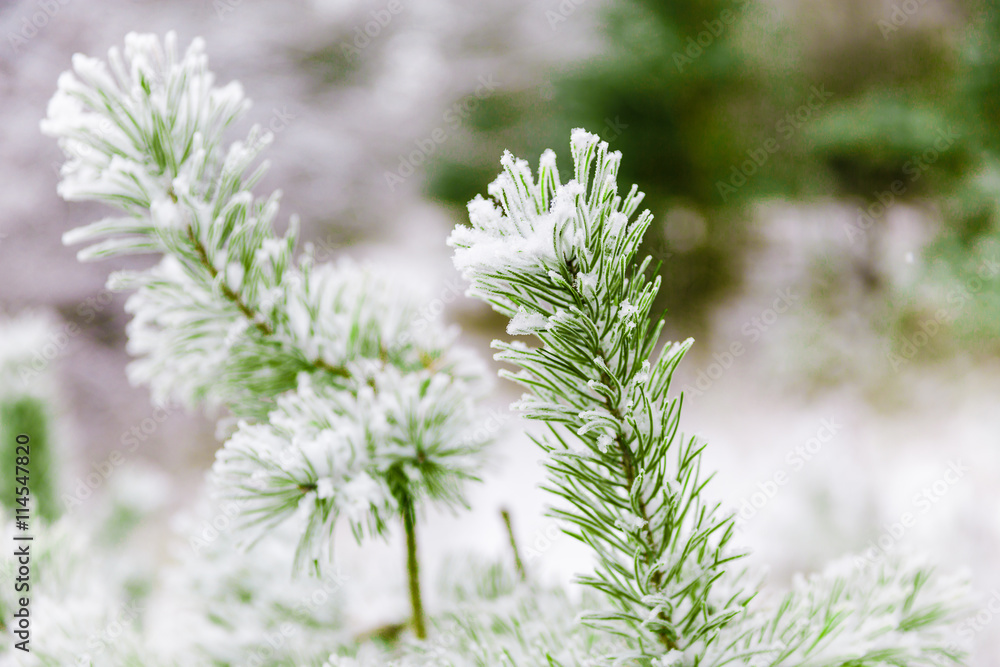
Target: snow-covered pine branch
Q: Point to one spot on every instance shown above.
(346, 401)
(897, 612)
(561, 261)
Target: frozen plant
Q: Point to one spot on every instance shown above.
(495, 618)
(344, 403)
(561, 260)
(80, 615)
(499, 619)
(231, 609)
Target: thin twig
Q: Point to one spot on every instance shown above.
(518, 563)
(413, 571)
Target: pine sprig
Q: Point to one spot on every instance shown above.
(341, 405)
(561, 261)
(894, 613)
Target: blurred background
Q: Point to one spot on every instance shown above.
(825, 179)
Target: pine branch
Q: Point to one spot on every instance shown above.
(345, 399)
(232, 296)
(251, 316)
(561, 260)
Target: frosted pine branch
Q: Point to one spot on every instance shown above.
(342, 405)
(561, 261)
(894, 613)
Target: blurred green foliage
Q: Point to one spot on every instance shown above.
(966, 255)
(718, 105)
(28, 415)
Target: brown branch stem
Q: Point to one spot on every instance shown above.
(234, 298)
